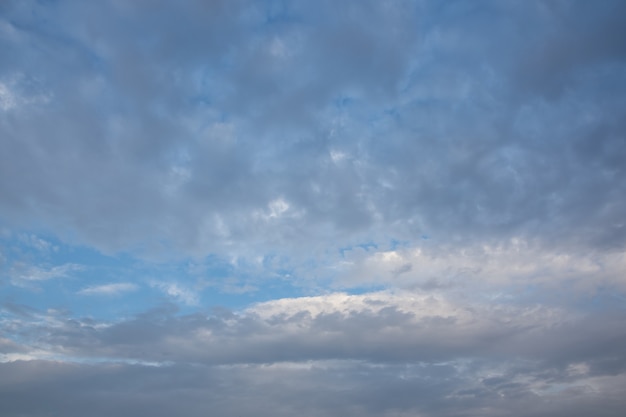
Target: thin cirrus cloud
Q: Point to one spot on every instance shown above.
(25, 274)
(109, 289)
(399, 208)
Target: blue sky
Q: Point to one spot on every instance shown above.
(352, 208)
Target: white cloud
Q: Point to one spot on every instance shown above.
(504, 264)
(418, 304)
(177, 292)
(22, 273)
(109, 289)
(11, 98)
(7, 98)
(37, 243)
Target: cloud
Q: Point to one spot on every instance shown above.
(581, 38)
(473, 268)
(23, 274)
(382, 327)
(109, 289)
(407, 208)
(237, 141)
(37, 243)
(334, 389)
(177, 292)
(377, 353)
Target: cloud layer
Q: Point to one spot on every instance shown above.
(380, 353)
(193, 138)
(396, 208)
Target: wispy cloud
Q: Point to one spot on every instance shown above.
(109, 289)
(177, 291)
(22, 273)
(37, 243)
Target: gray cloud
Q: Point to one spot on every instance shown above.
(477, 384)
(376, 327)
(374, 354)
(138, 131)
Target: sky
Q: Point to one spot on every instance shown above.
(317, 208)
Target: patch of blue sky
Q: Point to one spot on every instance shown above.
(89, 283)
(395, 244)
(366, 246)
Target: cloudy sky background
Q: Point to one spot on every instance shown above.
(329, 208)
